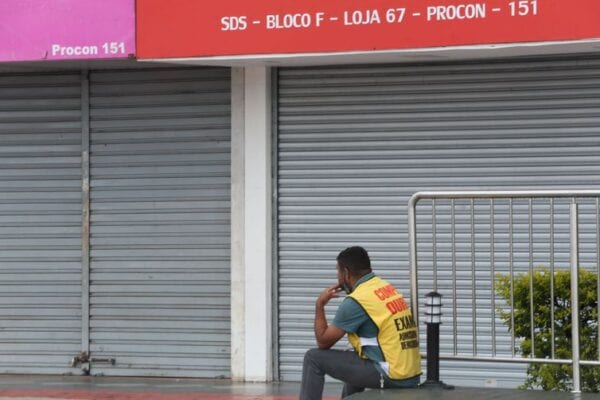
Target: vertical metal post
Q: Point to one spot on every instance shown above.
(433, 353)
(433, 316)
(85, 214)
(412, 248)
(531, 273)
(474, 279)
(454, 302)
(512, 277)
(574, 239)
(553, 344)
(598, 269)
(493, 273)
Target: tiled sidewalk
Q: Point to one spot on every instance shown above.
(117, 395)
(102, 388)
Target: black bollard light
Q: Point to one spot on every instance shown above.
(433, 319)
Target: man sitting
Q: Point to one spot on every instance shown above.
(380, 328)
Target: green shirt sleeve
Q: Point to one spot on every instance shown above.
(350, 316)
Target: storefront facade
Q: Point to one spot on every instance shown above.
(254, 141)
(116, 191)
(369, 104)
(354, 143)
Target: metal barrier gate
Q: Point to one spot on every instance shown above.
(467, 238)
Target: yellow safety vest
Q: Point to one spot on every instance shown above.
(397, 335)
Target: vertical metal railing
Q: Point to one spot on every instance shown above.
(552, 325)
(493, 273)
(519, 214)
(474, 279)
(598, 269)
(512, 273)
(454, 302)
(574, 239)
(531, 303)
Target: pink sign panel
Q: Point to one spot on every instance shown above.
(32, 30)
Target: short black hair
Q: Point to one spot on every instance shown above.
(355, 259)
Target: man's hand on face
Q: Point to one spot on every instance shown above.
(328, 294)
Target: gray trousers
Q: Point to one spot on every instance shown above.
(346, 366)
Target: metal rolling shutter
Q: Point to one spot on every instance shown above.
(354, 143)
(160, 156)
(40, 222)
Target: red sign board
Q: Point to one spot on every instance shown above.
(199, 28)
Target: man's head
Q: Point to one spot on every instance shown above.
(352, 264)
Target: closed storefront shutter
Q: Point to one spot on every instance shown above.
(160, 190)
(355, 142)
(159, 289)
(40, 222)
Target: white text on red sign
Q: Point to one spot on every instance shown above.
(372, 16)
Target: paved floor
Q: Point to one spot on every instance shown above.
(470, 394)
(103, 388)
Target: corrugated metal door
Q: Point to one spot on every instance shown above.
(354, 143)
(40, 222)
(160, 156)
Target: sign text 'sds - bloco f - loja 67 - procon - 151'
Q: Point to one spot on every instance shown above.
(190, 28)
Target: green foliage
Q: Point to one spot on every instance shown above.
(553, 376)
